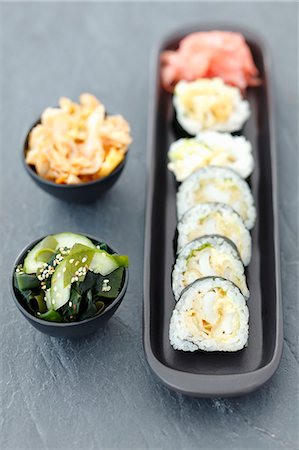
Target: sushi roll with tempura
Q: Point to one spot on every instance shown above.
(209, 104)
(210, 148)
(208, 256)
(217, 184)
(211, 315)
(215, 218)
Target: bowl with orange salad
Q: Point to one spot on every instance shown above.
(77, 151)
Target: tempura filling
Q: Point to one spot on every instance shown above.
(215, 223)
(213, 315)
(210, 262)
(207, 101)
(223, 190)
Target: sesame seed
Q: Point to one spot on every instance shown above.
(70, 304)
(71, 261)
(106, 288)
(84, 259)
(76, 263)
(106, 280)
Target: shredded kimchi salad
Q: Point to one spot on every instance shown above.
(210, 54)
(78, 142)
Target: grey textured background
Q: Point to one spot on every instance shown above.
(99, 392)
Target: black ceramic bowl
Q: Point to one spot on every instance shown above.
(79, 193)
(67, 330)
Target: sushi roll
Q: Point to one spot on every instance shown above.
(215, 218)
(217, 184)
(211, 315)
(208, 256)
(209, 104)
(210, 148)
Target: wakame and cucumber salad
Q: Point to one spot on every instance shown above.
(67, 277)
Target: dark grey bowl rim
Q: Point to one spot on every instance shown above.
(30, 316)
(32, 172)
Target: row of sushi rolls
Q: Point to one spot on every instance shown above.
(215, 206)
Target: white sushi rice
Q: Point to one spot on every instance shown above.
(195, 103)
(208, 256)
(215, 218)
(211, 315)
(210, 148)
(217, 184)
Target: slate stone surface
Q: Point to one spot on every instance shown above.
(99, 392)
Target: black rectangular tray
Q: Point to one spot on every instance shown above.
(213, 374)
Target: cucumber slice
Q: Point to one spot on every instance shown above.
(122, 260)
(70, 239)
(80, 256)
(31, 264)
(59, 294)
(48, 246)
(61, 280)
(103, 263)
(44, 255)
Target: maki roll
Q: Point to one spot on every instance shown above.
(208, 256)
(209, 104)
(215, 218)
(210, 148)
(211, 315)
(217, 184)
